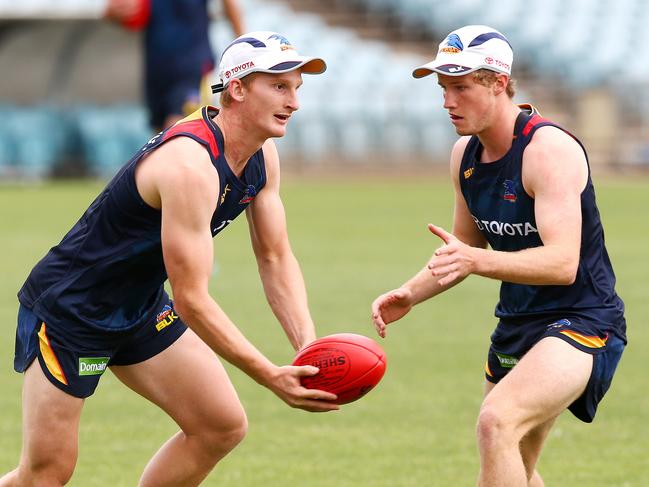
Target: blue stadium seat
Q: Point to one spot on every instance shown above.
(110, 136)
(35, 140)
(7, 148)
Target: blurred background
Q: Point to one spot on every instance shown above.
(71, 95)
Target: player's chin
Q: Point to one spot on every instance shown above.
(463, 131)
(275, 132)
(279, 126)
(279, 133)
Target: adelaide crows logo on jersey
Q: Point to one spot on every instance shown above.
(250, 194)
(510, 191)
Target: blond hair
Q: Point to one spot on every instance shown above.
(487, 77)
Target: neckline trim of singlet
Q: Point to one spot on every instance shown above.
(240, 182)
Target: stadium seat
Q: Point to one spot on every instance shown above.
(368, 100)
(35, 140)
(110, 136)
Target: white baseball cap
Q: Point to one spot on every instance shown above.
(468, 49)
(262, 52)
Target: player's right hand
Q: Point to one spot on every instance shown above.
(390, 307)
(286, 385)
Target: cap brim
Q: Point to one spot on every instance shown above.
(447, 69)
(308, 65)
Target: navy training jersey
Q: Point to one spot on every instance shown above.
(108, 271)
(177, 39)
(504, 214)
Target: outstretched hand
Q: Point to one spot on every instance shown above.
(453, 261)
(390, 307)
(286, 385)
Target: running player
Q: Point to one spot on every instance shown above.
(97, 301)
(523, 188)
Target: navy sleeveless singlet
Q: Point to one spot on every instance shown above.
(504, 214)
(108, 271)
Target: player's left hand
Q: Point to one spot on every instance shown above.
(454, 260)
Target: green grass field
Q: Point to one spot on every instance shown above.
(354, 240)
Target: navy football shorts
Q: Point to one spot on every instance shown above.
(180, 100)
(510, 342)
(73, 356)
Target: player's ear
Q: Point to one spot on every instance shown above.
(500, 84)
(236, 89)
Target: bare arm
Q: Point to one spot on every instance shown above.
(394, 304)
(279, 270)
(554, 174)
(234, 14)
(464, 230)
(180, 179)
(188, 193)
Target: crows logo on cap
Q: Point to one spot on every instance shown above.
(453, 44)
(284, 43)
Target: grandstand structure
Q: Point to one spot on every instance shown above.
(70, 87)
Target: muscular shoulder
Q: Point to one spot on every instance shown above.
(182, 165)
(551, 141)
(553, 155)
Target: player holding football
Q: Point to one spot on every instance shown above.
(96, 300)
(522, 187)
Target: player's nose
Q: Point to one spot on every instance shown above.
(293, 102)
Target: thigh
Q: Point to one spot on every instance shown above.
(188, 382)
(548, 378)
(50, 424)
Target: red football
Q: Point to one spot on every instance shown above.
(350, 365)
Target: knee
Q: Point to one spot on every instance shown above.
(235, 432)
(493, 428)
(45, 474)
(223, 436)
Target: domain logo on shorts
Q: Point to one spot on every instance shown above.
(92, 365)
